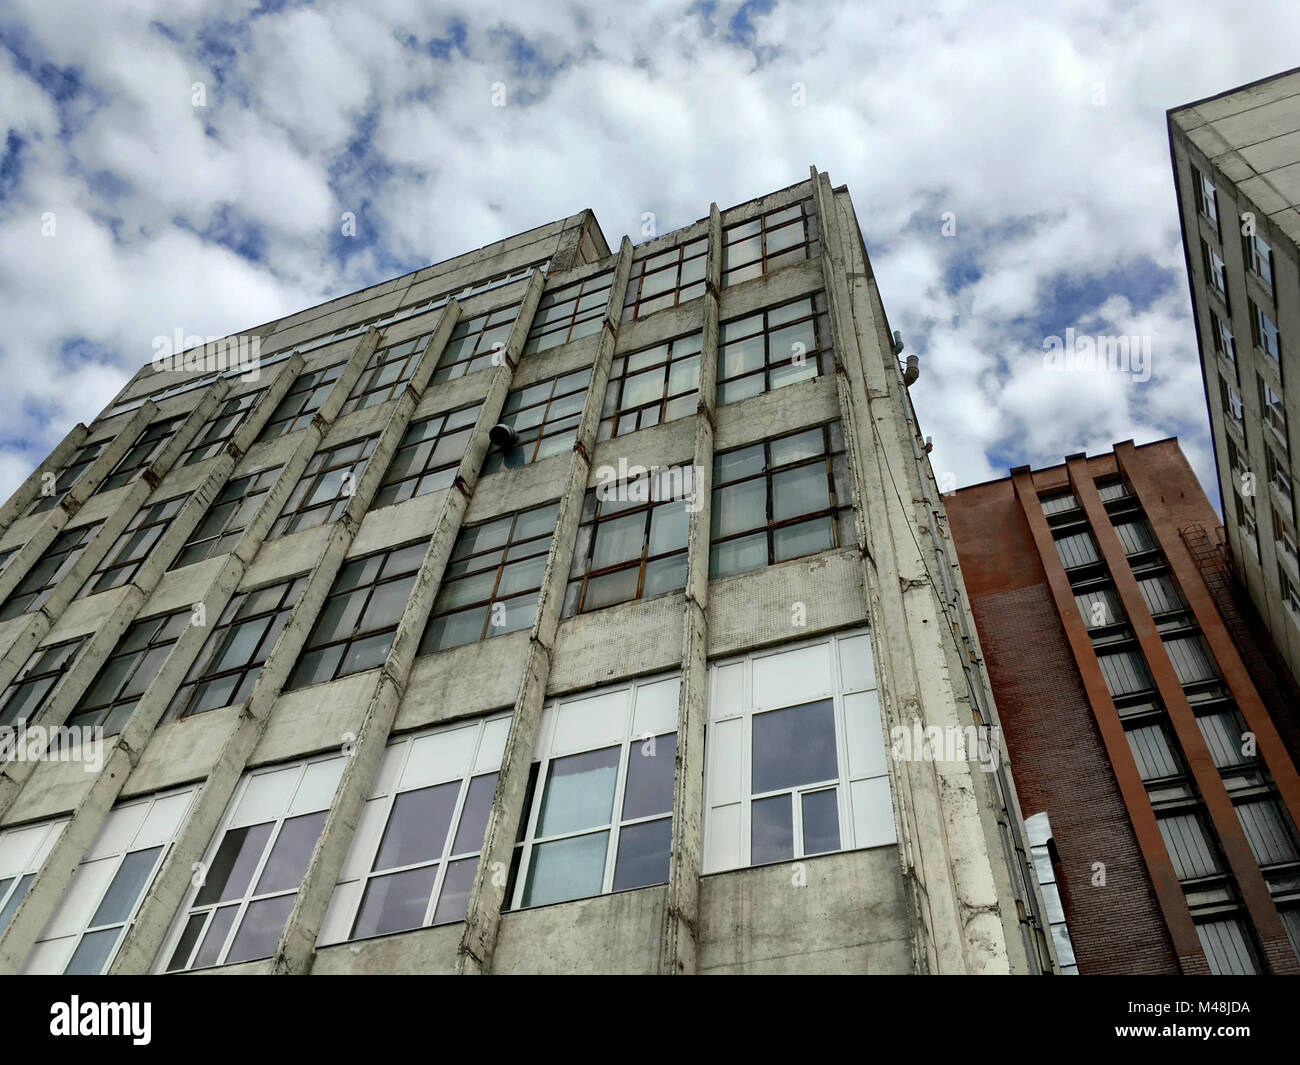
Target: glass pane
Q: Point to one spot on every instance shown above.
(366, 654)
(215, 938)
(619, 540)
(92, 953)
(474, 815)
(771, 837)
(290, 854)
(802, 490)
(260, 930)
(453, 901)
(186, 943)
(452, 630)
(802, 539)
(417, 827)
(737, 556)
(821, 822)
(232, 868)
(799, 446)
(566, 869)
(122, 894)
(521, 575)
(739, 507)
(611, 588)
(669, 526)
(649, 787)
(664, 575)
(643, 854)
(740, 358)
(794, 746)
(395, 903)
(579, 792)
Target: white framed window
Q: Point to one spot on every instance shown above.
(1259, 258)
(1224, 344)
(1207, 197)
(599, 812)
(100, 902)
(1264, 333)
(22, 850)
(1216, 269)
(417, 843)
(795, 755)
(254, 866)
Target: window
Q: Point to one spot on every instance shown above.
(1264, 333)
(1227, 947)
(417, 843)
(25, 697)
(1223, 342)
(665, 279)
(1191, 659)
(491, 582)
(1225, 738)
(1259, 258)
(1153, 751)
(1268, 830)
(1113, 490)
(1290, 594)
(567, 313)
(599, 817)
(59, 557)
(631, 541)
(545, 416)
(1207, 197)
(1274, 410)
(1278, 475)
(6, 555)
(651, 386)
(122, 679)
(779, 499)
(474, 342)
(357, 623)
(795, 757)
(774, 348)
(761, 245)
(22, 852)
(104, 894)
(227, 517)
(1215, 270)
(1161, 594)
(1125, 673)
(1058, 503)
(385, 374)
(129, 551)
(254, 867)
(229, 663)
(300, 404)
(1099, 608)
(1285, 538)
(143, 452)
(67, 477)
(1135, 536)
(428, 456)
(1231, 401)
(325, 488)
(220, 428)
(1189, 845)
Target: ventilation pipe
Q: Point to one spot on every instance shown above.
(503, 436)
(913, 370)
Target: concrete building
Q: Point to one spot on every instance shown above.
(1236, 159)
(1152, 768)
(545, 610)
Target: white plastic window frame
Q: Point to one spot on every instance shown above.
(459, 752)
(741, 688)
(22, 851)
(305, 787)
(584, 722)
(134, 827)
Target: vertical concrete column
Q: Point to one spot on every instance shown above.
(679, 939)
(487, 897)
(1168, 891)
(947, 860)
(17, 503)
(1218, 804)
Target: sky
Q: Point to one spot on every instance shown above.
(181, 165)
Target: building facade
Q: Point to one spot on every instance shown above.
(1153, 771)
(545, 610)
(1236, 160)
